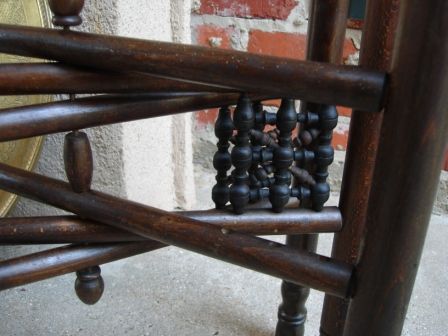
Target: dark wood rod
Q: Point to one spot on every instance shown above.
(62, 260)
(54, 78)
(72, 229)
(28, 121)
(254, 253)
(411, 148)
(311, 81)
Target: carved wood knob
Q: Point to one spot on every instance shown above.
(66, 12)
(89, 285)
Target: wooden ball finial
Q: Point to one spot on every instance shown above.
(66, 12)
(89, 285)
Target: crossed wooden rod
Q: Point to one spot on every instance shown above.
(157, 79)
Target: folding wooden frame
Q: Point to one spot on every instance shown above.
(397, 138)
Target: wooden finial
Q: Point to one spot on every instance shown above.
(66, 12)
(89, 285)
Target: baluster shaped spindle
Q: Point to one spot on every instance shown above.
(279, 192)
(244, 118)
(221, 160)
(78, 162)
(292, 312)
(89, 285)
(324, 156)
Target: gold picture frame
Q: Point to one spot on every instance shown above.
(21, 153)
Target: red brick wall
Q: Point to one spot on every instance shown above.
(271, 27)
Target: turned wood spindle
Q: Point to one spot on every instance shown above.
(283, 156)
(292, 312)
(89, 285)
(324, 155)
(256, 144)
(244, 118)
(221, 160)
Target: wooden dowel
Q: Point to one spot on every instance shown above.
(72, 229)
(62, 260)
(54, 78)
(28, 121)
(254, 253)
(411, 148)
(310, 81)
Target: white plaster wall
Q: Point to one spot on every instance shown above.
(158, 152)
(184, 182)
(148, 161)
(147, 144)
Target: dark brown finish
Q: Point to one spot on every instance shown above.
(78, 161)
(71, 229)
(326, 30)
(317, 82)
(89, 285)
(255, 253)
(389, 182)
(292, 311)
(326, 34)
(67, 259)
(66, 12)
(55, 78)
(66, 7)
(410, 153)
(28, 121)
(376, 52)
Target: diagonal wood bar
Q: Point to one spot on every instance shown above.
(310, 81)
(72, 229)
(62, 260)
(54, 78)
(28, 121)
(254, 253)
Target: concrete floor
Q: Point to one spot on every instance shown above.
(174, 292)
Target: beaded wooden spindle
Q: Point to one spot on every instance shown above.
(256, 143)
(279, 192)
(243, 119)
(324, 156)
(221, 160)
(78, 162)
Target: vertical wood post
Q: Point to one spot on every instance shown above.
(410, 152)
